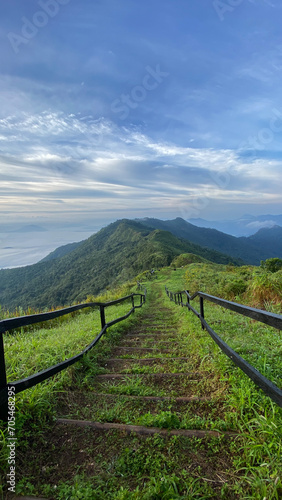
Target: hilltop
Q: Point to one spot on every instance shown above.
(264, 244)
(114, 255)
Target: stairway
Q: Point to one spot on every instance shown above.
(150, 390)
(150, 424)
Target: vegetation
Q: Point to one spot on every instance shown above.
(187, 258)
(266, 243)
(109, 258)
(256, 286)
(72, 463)
(61, 251)
(272, 265)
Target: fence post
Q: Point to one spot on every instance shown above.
(202, 310)
(132, 301)
(102, 316)
(3, 381)
(188, 299)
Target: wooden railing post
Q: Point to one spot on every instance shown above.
(132, 301)
(3, 381)
(202, 310)
(102, 316)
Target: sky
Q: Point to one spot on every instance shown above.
(160, 108)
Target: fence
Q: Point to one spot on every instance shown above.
(270, 319)
(12, 323)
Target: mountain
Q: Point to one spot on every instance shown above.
(244, 226)
(61, 251)
(250, 249)
(115, 254)
(270, 239)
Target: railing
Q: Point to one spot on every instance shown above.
(12, 323)
(270, 319)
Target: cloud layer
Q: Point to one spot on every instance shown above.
(160, 109)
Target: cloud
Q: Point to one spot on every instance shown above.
(260, 224)
(61, 140)
(79, 160)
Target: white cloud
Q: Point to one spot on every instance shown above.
(84, 161)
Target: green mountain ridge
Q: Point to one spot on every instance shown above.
(264, 244)
(115, 254)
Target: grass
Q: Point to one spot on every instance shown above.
(113, 465)
(253, 413)
(30, 350)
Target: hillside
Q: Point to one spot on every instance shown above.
(113, 255)
(61, 251)
(270, 239)
(265, 244)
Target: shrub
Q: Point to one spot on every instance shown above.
(272, 265)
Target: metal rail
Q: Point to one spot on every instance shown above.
(13, 323)
(270, 319)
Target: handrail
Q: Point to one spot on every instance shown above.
(274, 320)
(12, 323)
(268, 318)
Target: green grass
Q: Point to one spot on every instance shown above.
(30, 350)
(130, 467)
(249, 409)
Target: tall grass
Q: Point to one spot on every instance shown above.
(257, 453)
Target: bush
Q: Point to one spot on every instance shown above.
(235, 287)
(272, 265)
(186, 258)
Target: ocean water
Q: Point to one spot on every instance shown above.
(26, 248)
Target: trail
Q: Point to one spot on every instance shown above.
(149, 401)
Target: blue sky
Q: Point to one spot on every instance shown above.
(159, 108)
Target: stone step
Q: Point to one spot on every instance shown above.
(133, 365)
(142, 349)
(140, 429)
(190, 375)
(143, 342)
(148, 335)
(145, 361)
(125, 408)
(191, 399)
